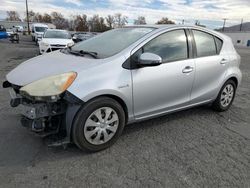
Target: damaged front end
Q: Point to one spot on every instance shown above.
(45, 116)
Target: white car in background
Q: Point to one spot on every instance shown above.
(18, 28)
(38, 30)
(55, 39)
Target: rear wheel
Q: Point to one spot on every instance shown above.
(98, 124)
(225, 97)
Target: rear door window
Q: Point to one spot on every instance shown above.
(205, 44)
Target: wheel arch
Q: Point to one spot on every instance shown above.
(233, 78)
(116, 98)
(73, 111)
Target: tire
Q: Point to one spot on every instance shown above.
(94, 134)
(221, 105)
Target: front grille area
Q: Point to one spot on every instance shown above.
(53, 49)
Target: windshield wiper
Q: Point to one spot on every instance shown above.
(82, 53)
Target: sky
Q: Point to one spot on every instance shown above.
(208, 12)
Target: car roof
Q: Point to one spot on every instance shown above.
(164, 26)
(180, 26)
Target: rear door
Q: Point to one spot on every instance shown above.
(210, 66)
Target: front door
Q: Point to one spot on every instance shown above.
(167, 86)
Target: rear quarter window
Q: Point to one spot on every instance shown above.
(219, 44)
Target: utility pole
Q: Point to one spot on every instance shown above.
(241, 24)
(225, 19)
(27, 13)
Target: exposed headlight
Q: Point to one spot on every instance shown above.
(50, 86)
(70, 44)
(44, 44)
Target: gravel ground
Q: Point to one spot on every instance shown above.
(192, 148)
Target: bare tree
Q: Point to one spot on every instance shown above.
(38, 17)
(80, 23)
(165, 20)
(47, 18)
(59, 21)
(12, 16)
(97, 24)
(31, 16)
(103, 26)
(141, 20)
(120, 20)
(110, 21)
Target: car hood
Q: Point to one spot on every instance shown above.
(56, 41)
(47, 65)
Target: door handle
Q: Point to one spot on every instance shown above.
(223, 61)
(187, 69)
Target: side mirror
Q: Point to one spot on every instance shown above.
(149, 59)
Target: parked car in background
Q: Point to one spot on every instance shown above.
(18, 28)
(78, 37)
(3, 33)
(37, 31)
(91, 90)
(55, 39)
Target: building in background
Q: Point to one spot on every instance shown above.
(240, 34)
(239, 38)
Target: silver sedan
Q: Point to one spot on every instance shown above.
(88, 92)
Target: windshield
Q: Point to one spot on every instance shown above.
(112, 42)
(57, 34)
(40, 29)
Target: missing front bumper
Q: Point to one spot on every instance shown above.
(44, 119)
(41, 110)
(46, 116)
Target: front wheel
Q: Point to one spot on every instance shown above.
(225, 97)
(98, 124)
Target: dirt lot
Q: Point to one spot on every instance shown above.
(193, 148)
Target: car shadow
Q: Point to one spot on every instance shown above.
(35, 150)
(143, 125)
